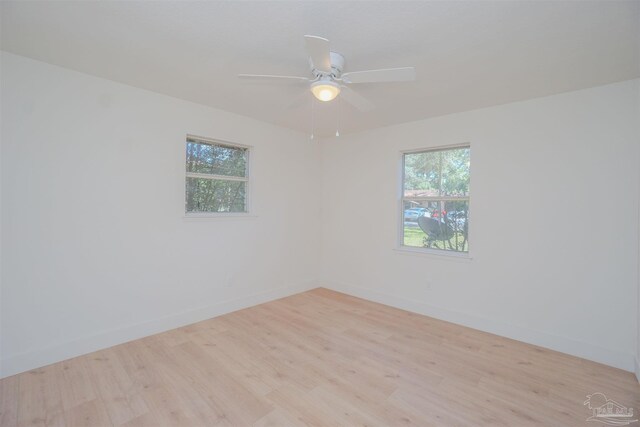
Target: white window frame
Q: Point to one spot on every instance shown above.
(248, 212)
(400, 246)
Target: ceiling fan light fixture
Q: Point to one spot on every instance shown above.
(325, 90)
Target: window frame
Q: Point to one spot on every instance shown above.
(400, 246)
(246, 179)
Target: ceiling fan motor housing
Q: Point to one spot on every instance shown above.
(337, 66)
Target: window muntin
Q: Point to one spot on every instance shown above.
(435, 199)
(216, 177)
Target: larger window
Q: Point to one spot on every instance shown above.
(217, 176)
(435, 199)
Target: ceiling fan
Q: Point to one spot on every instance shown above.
(328, 81)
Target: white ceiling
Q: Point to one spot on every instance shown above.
(467, 54)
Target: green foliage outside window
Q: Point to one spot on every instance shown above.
(216, 177)
(436, 199)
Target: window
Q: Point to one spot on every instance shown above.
(435, 199)
(217, 176)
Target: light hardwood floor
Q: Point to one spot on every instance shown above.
(317, 358)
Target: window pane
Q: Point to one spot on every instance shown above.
(437, 224)
(422, 174)
(455, 172)
(437, 173)
(215, 195)
(216, 159)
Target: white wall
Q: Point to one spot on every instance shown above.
(95, 248)
(554, 222)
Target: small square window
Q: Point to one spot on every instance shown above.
(216, 177)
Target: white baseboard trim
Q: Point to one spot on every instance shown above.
(562, 344)
(63, 351)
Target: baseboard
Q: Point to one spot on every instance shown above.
(63, 351)
(554, 342)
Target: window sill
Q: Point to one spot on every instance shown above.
(434, 254)
(216, 216)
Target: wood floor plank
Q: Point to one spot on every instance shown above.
(9, 396)
(168, 408)
(278, 418)
(193, 397)
(74, 382)
(91, 413)
(145, 420)
(318, 358)
(224, 386)
(39, 402)
(116, 389)
(304, 407)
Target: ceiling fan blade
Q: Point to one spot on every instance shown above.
(355, 99)
(318, 51)
(270, 77)
(376, 76)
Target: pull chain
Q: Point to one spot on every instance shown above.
(312, 118)
(338, 117)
